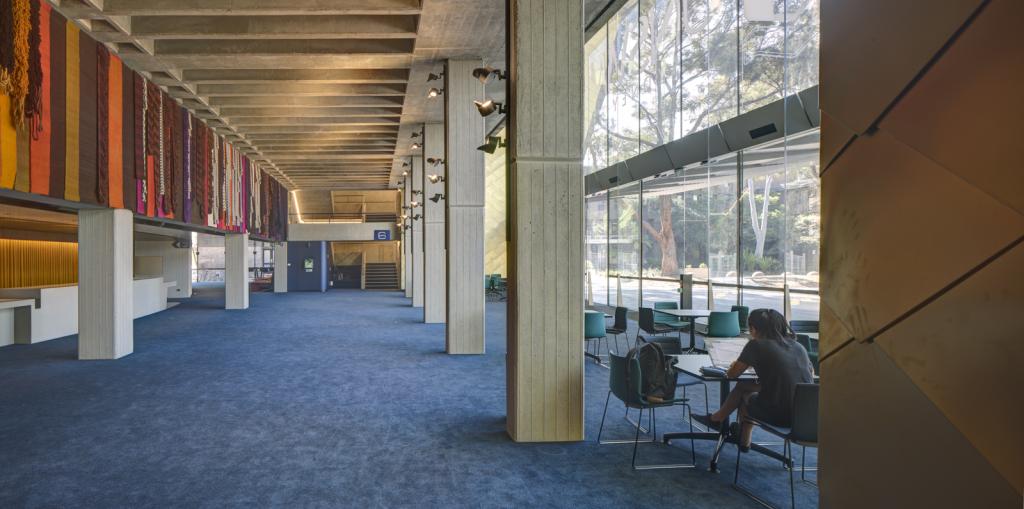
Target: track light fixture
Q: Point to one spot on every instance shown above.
(416, 135)
(416, 217)
(484, 74)
(405, 174)
(493, 142)
(488, 106)
(434, 161)
(432, 76)
(434, 92)
(416, 146)
(416, 192)
(435, 178)
(437, 197)
(405, 164)
(415, 204)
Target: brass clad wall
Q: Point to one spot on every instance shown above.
(922, 254)
(37, 263)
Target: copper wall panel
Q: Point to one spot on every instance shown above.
(834, 136)
(884, 444)
(963, 350)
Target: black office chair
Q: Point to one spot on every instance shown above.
(803, 432)
(619, 327)
(811, 345)
(624, 381)
(671, 346)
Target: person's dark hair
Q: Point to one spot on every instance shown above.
(770, 324)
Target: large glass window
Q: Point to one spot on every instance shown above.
(597, 248)
(624, 83)
(595, 113)
(659, 72)
(624, 244)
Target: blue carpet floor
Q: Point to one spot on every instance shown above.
(341, 399)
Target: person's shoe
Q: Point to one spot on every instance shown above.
(705, 419)
(736, 431)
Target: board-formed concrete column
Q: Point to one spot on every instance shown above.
(416, 216)
(407, 236)
(545, 302)
(464, 199)
(236, 271)
(433, 226)
(281, 267)
(105, 297)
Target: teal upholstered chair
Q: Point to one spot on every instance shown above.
(723, 324)
(744, 314)
(811, 345)
(593, 333)
(669, 320)
(624, 381)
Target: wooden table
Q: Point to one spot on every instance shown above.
(692, 315)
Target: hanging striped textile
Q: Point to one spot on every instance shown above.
(72, 121)
(8, 144)
(102, 188)
(128, 135)
(42, 128)
(115, 133)
(58, 102)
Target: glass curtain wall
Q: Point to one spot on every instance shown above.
(747, 222)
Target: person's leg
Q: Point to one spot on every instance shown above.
(737, 396)
(746, 428)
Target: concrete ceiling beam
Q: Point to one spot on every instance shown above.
(274, 47)
(341, 76)
(274, 27)
(259, 7)
(245, 122)
(240, 113)
(301, 89)
(308, 101)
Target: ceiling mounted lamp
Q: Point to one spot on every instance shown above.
(488, 107)
(437, 197)
(415, 146)
(433, 77)
(493, 143)
(484, 74)
(416, 192)
(435, 178)
(433, 161)
(434, 92)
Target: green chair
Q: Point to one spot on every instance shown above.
(744, 314)
(669, 320)
(593, 333)
(723, 324)
(811, 345)
(624, 381)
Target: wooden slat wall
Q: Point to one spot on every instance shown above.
(464, 192)
(37, 263)
(545, 314)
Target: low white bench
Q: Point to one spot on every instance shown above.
(13, 314)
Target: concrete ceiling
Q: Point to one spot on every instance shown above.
(323, 93)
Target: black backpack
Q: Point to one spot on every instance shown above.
(658, 381)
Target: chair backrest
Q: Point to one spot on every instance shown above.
(647, 320)
(593, 325)
(810, 344)
(662, 317)
(620, 318)
(803, 325)
(744, 315)
(724, 324)
(805, 413)
(624, 387)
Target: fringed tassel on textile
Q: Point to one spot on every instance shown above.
(19, 72)
(34, 99)
(6, 45)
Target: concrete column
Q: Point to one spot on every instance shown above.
(236, 271)
(417, 231)
(407, 236)
(464, 193)
(433, 227)
(281, 267)
(545, 303)
(105, 297)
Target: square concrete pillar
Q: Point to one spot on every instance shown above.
(281, 267)
(407, 272)
(236, 271)
(105, 274)
(433, 226)
(416, 216)
(464, 197)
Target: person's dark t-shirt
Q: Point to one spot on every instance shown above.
(779, 365)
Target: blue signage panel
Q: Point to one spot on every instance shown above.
(381, 234)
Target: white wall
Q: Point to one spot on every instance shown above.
(177, 265)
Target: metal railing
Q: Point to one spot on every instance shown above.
(704, 282)
(339, 218)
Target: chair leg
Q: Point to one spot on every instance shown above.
(636, 440)
(792, 491)
(601, 428)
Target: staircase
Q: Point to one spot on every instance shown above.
(381, 276)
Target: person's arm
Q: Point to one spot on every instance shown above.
(736, 369)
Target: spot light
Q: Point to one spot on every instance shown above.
(416, 192)
(435, 178)
(414, 204)
(433, 161)
(493, 142)
(405, 174)
(487, 107)
(432, 76)
(415, 146)
(484, 74)
(437, 197)
(434, 92)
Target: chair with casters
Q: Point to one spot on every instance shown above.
(671, 346)
(803, 431)
(624, 381)
(619, 327)
(593, 334)
(744, 314)
(803, 325)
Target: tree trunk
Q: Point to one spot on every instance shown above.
(666, 238)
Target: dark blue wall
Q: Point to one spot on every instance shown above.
(298, 279)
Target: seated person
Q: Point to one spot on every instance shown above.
(779, 362)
